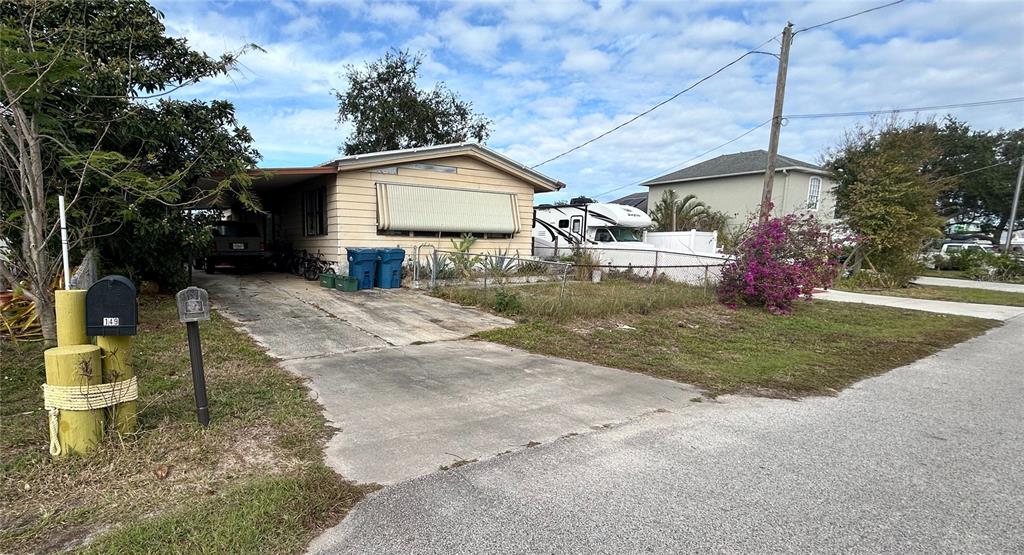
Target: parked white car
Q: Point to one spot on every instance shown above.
(932, 257)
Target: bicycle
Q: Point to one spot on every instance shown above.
(314, 265)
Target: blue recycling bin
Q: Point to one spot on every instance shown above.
(362, 265)
(389, 268)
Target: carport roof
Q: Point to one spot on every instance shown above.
(268, 179)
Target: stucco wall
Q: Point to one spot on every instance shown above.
(739, 196)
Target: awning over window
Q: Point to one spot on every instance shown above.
(425, 208)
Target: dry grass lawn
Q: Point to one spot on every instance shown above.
(254, 481)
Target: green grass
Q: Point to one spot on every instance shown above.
(254, 481)
(548, 301)
(943, 293)
(820, 348)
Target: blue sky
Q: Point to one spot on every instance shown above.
(552, 74)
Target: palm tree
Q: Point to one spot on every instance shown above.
(672, 213)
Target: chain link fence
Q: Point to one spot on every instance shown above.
(430, 267)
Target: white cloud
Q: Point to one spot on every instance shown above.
(554, 74)
(587, 61)
(401, 14)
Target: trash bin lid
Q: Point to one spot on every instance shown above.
(360, 254)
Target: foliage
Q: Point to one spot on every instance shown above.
(886, 195)
(671, 213)
(583, 262)
(779, 261)
(84, 87)
(499, 264)
(158, 248)
(506, 302)
(983, 195)
(463, 262)
(730, 237)
(983, 265)
(389, 111)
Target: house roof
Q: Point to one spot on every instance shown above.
(475, 150)
(754, 161)
(636, 200)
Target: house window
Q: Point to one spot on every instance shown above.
(432, 209)
(814, 193)
(314, 214)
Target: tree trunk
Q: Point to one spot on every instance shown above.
(47, 317)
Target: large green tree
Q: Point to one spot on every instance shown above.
(887, 194)
(86, 112)
(978, 169)
(388, 110)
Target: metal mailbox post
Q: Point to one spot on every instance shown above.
(193, 307)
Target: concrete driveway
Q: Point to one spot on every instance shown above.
(294, 318)
(923, 459)
(409, 396)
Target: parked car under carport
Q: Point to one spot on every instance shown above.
(236, 244)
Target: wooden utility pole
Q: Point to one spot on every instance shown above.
(773, 142)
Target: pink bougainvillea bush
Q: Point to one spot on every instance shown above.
(779, 261)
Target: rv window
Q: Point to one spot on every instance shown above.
(563, 224)
(604, 236)
(576, 222)
(627, 234)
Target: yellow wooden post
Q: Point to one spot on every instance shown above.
(117, 367)
(69, 305)
(78, 431)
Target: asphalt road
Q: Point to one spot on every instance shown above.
(927, 458)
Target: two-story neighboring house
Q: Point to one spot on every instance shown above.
(732, 184)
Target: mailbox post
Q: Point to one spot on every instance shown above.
(194, 306)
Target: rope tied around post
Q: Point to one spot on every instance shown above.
(84, 397)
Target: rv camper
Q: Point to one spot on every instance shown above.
(584, 223)
(614, 234)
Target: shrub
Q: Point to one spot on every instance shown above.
(507, 302)
(777, 262)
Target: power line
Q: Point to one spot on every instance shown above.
(912, 109)
(831, 21)
(1004, 162)
(658, 105)
(703, 79)
(824, 115)
(681, 164)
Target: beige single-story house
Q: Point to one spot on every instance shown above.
(401, 198)
(733, 183)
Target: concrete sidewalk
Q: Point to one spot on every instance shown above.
(989, 311)
(971, 284)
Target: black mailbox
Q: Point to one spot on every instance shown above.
(111, 307)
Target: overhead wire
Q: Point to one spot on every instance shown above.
(831, 21)
(909, 109)
(682, 164)
(656, 106)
